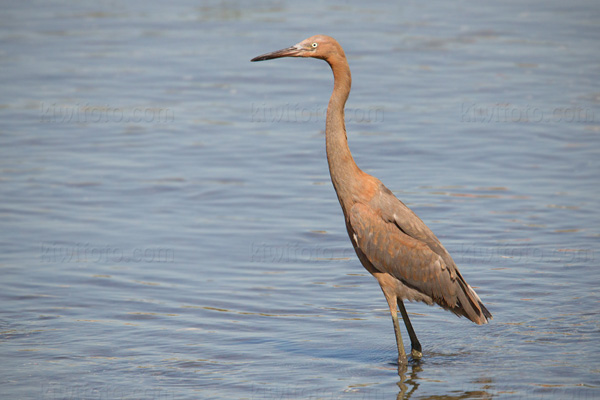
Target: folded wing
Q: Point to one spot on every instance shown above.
(392, 249)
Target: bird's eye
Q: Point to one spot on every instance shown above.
(314, 45)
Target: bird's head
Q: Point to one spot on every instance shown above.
(318, 46)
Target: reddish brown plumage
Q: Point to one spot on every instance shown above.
(392, 243)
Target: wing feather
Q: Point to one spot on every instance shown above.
(392, 248)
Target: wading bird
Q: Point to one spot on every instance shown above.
(391, 242)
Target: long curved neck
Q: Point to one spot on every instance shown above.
(342, 168)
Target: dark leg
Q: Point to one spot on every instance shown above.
(414, 342)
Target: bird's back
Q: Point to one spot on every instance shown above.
(394, 240)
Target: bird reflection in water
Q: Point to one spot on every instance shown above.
(410, 382)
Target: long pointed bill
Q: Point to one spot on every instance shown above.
(293, 51)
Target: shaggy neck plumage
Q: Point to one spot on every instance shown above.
(342, 167)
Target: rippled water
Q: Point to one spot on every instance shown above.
(169, 230)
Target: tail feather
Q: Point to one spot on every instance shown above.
(470, 305)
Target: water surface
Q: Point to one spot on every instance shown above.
(169, 230)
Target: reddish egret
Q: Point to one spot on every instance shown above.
(391, 242)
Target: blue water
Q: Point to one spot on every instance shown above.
(169, 230)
